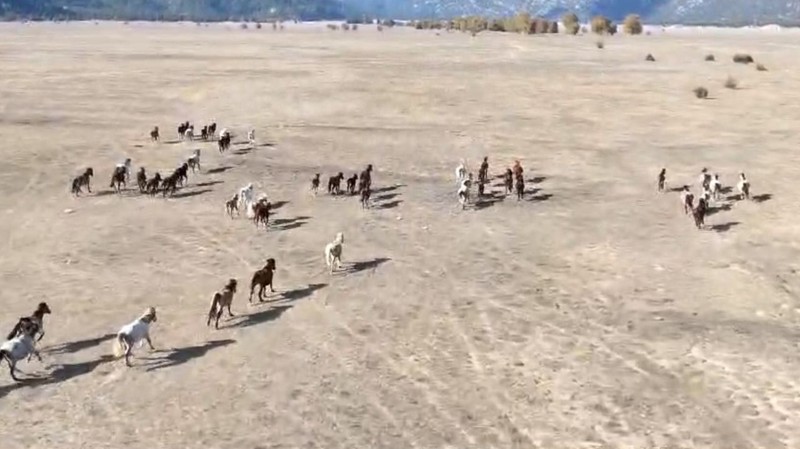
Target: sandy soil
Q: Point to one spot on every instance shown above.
(590, 315)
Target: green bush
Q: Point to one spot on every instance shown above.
(632, 24)
(571, 23)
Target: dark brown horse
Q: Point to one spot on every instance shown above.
(82, 180)
(263, 278)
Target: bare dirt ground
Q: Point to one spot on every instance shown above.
(590, 315)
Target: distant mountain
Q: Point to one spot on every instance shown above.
(725, 12)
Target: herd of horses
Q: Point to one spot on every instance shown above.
(21, 342)
(711, 190)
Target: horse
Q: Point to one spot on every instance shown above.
(204, 132)
(221, 301)
(153, 183)
(154, 135)
(245, 196)
(261, 212)
(508, 181)
(212, 129)
(251, 136)
(232, 205)
(20, 347)
(744, 187)
(520, 185)
(315, 183)
(351, 184)
(333, 252)
(119, 179)
(483, 172)
(170, 184)
(37, 318)
(463, 191)
(699, 213)
(224, 142)
(365, 194)
(82, 180)
(687, 200)
(365, 178)
(194, 160)
(134, 333)
(662, 179)
(262, 278)
(141, 179)
(461, 171)
(334, 184)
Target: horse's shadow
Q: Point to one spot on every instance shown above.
(724, 227)
(190, 194)
(279, 204)
(540, 198)
(75, 346)
(357, 267)
(486, 201)
(387, 196)
(179, 356)
(388, 188)
(389, 205)
(208, 183)
(262, 317)
(285, 224)
(63, 373)
(721, 208)
(537, 179)
(300, 293)
(221, 169)
(242, 151)
(762, 198)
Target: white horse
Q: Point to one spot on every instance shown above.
(251, 136)
(133, 334)
(20, 347)
(333, 252)
(463, 191)
(189, 133)
(194, 160)
(461, 171)
(715, 186)
(246, 197)
(744, 187)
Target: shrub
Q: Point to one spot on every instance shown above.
(497, 25)
(761, 68)
(650, 58)
(571, 23)
(539, 26)
(380, 27)
(602, 25)
(345, 27)
(258, 25)
(742, 58)
(731, 83)
(355, 27)
(700, 92)
(632, 24)
(710, 57)
(388, 23)
(243, 26)
(333, 27)
(553, 28)
(600, 44)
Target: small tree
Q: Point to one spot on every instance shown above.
(632, 24)
(571, 23)
(603, 25)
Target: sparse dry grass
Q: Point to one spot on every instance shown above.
(731, 83)
(742, 58)
(700, 92)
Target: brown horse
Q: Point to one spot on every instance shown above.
(262, 278)
(82, 180)
(221, 301)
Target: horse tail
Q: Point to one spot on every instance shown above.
(117, 345)
(216, 301)
(5, 355)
